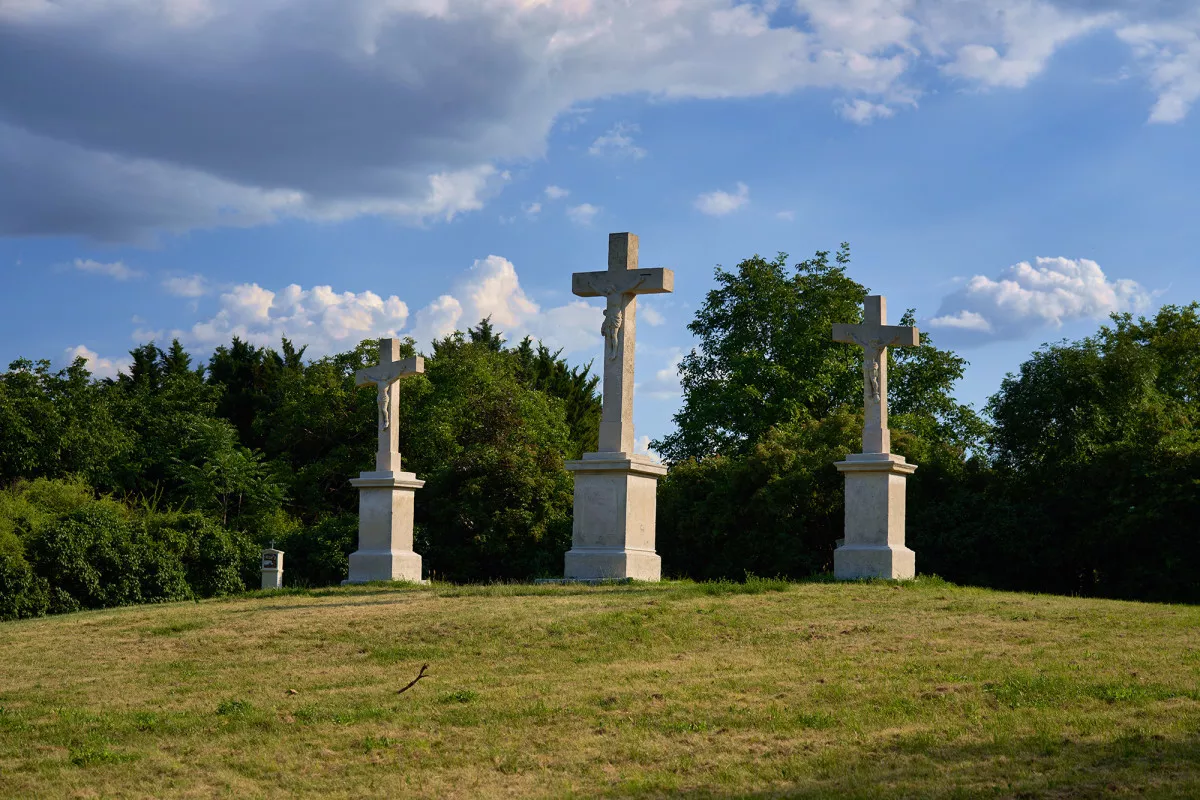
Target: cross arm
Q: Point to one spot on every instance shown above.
(633, 281)
(885, 335)
(390, 372)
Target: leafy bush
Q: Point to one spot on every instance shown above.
(22, 593)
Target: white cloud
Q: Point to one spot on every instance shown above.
(718, 203)
(186, 286)
(863, 112)
(665, 383)
(556, 192)
(325, 320)
(99, 367)
(441, 91)
(583, 214)
(787, 216)
(618, 142)
(1029, 33)
(1026, 298)
(641, 446)
(1173, 55)
(649, 314)
(532, 209)
(116, 269)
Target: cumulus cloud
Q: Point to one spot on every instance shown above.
(99, 367)
(617, 142)
(186, 286)
(325, 320)
(649, 314)
(556, 192)
(718, 203)
(321, 110)
(863, 112)
(492, 289)
(116, 269)
(329, 321)
(1026, 298)
(583, 214)
(641, 446)
(664, 385)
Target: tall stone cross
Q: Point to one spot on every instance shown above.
(389, 370)
(620, 284)
(875, 336)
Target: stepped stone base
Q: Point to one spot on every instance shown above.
(615, 506)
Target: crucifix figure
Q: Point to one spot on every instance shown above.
(389, 370)
(620, 285)
(875, 336)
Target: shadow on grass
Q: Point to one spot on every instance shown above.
(1128, 764)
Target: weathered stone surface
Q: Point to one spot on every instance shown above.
(874, 522)
(615, 506)
(385, 528)
(385, 496)
(620, 285)
(875, 479)
(615, 490)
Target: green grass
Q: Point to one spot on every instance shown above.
(757, 689)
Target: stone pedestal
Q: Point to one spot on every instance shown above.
(272, 568)
(874, 542)
(385, 528)
(615, 502)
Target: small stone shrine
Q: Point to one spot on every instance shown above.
(615, 489)
(272, 568)
(875, 478)
(385, 496)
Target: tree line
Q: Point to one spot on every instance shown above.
(1080, 476)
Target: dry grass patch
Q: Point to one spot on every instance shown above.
(713, 690)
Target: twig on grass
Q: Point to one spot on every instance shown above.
(420, 675)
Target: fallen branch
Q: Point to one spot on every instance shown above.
(420, 675)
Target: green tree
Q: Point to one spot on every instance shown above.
(1098, 455)
(770, 401)
(497, 500)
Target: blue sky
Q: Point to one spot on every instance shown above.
(1014, 170)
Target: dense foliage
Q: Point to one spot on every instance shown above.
(770, 402)
(1084, 482)
(164, 483)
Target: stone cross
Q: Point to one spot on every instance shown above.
(389, 370)
(620, 284)
(875, 336)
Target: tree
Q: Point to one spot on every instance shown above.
(1098, 454)
(770, 401)
(497, 500)
(766, 357)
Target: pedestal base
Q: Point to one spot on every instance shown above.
(890, 563)
(385, 528)
(615, 504)
(875, 510)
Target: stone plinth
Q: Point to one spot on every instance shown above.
(874, 542)
(272, 568)
(385, 528)
(615, 503)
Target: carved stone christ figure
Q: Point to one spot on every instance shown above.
(611, 329)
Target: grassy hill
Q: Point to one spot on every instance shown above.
(762, 690)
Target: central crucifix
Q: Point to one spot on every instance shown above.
(620, 285)
(613, 531)
(875, 336)
(873, 546)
